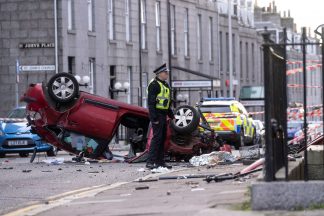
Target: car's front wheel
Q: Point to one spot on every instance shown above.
(63, 87)
(186, 119)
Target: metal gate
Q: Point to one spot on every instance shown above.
(276, 100)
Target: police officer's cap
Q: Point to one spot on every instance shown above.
(160, 69)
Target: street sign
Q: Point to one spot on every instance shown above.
(36, 45)
(192, 84)
(37, 67)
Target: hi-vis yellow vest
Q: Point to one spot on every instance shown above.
(163, 98)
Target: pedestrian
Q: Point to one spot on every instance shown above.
(159, 100)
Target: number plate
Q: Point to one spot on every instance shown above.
(17, 142)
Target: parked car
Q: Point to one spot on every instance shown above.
(230, 120)
(84, 124)
(259, 132)
(16, 136)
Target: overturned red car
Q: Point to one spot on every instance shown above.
(80, 122)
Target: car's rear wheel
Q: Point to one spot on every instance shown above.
(2, 155)
(23, 154)
(240, 141)
(186, 119)
(63, 87)
(52, 152)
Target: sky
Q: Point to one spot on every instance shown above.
(309, 13)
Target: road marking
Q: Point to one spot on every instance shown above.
(68, 197)
(232, 192)
(97, 201)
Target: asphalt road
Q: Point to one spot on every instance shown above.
(22, 182)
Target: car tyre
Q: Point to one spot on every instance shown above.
(63, 87)
(2, 155)
(186, 119)
(23, 154)
(240, 141)
(52, 152)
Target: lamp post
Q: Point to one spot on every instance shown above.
(83, 81)
(230, 46)
(119, 87)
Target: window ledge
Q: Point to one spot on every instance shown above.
(144, 50)
(200, 61)
(211, 62)
(71, 31)
(174, 56)
(129, 43)
(159, 52)
(91, 34)
(112, 41)
(187, 57)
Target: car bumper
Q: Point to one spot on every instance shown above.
(25, 150)
(228, 135)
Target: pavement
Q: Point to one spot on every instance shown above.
(191, 196)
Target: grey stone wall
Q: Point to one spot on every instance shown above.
(23, 22)
(32, 21)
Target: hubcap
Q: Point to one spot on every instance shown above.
(63, 87)
(183, 117)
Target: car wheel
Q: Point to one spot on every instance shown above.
(2, 155)
(23, 154)
(186, 119)
(63, 87)
(52, 152)
(240, 141)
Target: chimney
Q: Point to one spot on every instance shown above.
(270, 8)
(288, 13)
(284, 14)
(309, 32)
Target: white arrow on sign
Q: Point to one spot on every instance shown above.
(37, 67)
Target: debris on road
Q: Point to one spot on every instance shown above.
(7, 168)
(26, 171)
(160, 170)
(141, 170)
(168, 193)
(142, 188)
(197, 189)
(212, 158)
(54, 161)
(46, 171)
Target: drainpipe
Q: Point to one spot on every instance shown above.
(140, 52)
(55, 29)
(230, 48)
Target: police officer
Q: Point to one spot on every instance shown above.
(159, 100)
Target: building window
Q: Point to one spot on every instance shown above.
(199, 39)
(111, 20)
(211, 40)
(241, 60)
(143, 24)
(221, 56)
(112, 73)
(158, 25)
(186, 32)
(173, 31)
(71, 65)
(128, 21)
(91, 16)
(247, 59)
(227, 53)
(70, 8)
(233, 53)
(92, 63)
(130, 81)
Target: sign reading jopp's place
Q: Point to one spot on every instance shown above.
(36, 45)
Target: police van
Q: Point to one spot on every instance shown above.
(230, 120)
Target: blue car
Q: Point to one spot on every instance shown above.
(16, 137)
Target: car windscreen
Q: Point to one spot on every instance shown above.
(17, 113)
(215, 109)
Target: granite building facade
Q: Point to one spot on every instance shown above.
(124, 41)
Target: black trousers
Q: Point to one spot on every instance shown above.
(156, 152)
